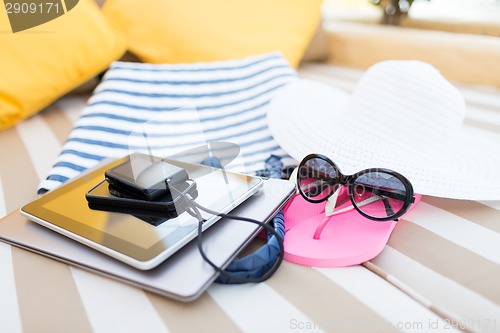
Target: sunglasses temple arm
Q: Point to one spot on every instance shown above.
(388, 207)
(386, 193)
(361, 204)
(307, 187)
(332, 202)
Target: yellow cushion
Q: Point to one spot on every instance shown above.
(175, 31)
(42, 63)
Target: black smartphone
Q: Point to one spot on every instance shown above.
(104, 196)
(145, 177)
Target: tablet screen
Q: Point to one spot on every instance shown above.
(66, 210)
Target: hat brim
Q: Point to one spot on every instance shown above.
(309, 117)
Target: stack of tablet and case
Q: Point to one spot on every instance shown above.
(158, 266)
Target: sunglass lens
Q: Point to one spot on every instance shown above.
(317, 179)
(379, 194)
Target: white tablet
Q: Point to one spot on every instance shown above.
(132, 239)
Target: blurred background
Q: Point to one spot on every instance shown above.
(459, 37)
(466, 16)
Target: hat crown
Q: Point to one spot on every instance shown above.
(401, 116)
(408, 103)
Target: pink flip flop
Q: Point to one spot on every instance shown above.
(344, 239)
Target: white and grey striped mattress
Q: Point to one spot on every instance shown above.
(442, 262)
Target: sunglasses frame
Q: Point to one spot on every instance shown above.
(348, 180)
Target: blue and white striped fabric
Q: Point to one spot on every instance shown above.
(165, 109)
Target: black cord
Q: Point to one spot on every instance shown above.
(194, 211)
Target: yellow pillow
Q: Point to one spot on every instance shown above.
(42, 63)
(175, 31)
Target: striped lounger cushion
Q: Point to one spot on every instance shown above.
(177, 107)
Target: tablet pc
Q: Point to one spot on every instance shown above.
(129, 238)
(185, 275)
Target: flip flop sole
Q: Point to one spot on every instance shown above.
(347, 239)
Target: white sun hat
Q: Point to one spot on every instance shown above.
(402, 115)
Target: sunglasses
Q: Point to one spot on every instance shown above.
(377, 194)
